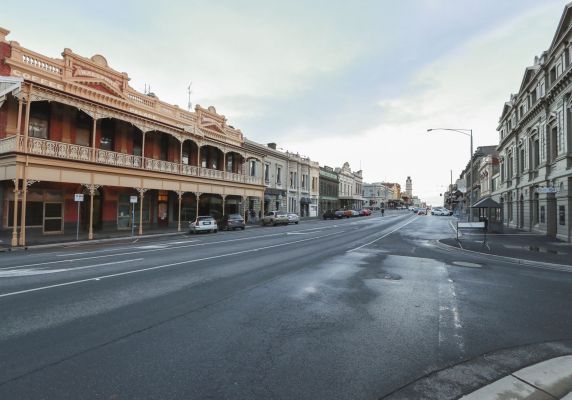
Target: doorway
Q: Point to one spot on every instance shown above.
(162, 208)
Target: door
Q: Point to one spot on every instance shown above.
(163, 209)
(551, 217)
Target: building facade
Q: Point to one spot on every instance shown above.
(350, 187)
(73, 125)
(303, 188)
(377, 195)
(329, 190)
(535, 142)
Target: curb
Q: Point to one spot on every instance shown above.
(513, 260)
(467, 377)
(93, 241)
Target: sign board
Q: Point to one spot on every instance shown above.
(78, 197)
(546, 190)
(471, 225)
(133, 199)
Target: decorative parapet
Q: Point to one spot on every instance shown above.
(93, 80)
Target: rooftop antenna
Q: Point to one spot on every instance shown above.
(189, 91)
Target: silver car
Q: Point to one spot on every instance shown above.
(293, 218)
(203, 224)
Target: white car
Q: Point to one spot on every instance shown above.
(440, 211)
(203, 224)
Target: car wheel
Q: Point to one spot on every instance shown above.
(242, 228)
(215, 231)
(296, 222)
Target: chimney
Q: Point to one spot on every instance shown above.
(272, 146)
(3, 34)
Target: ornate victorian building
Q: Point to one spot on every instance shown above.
(73, 125)
(350, 193)
(535, 149)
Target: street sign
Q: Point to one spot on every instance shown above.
(133, 199)
(546, 190)
(78, 197)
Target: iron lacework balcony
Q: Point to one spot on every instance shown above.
(75, 152)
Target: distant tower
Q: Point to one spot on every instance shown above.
(409, 187)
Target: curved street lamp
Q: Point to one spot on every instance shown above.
(466, 132)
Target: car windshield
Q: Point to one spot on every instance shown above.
(199, 219)
(280, 213)
(235, 217)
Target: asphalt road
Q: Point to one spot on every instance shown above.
(349, 309)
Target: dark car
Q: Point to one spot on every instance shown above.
(330, 214)
(341, 214)
(232, 222)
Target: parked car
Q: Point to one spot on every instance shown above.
(355, 213)
(365, 212)
(203, 224)
(329, 214)
(440, 211)
(340, 214)
(275, 218)
(293, 218)
(348, 213)
(232, 222)
(421, 211)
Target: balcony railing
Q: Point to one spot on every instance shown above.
(75, 152)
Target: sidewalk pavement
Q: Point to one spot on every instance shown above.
(547, 380)
(515, 244)
(537, 371)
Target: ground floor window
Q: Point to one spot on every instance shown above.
(542, 214)
(44, 209)
(562, 215)
(124, 209)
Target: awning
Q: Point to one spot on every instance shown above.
(487, 202)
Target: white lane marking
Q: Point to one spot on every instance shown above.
(166, 265)
(449, 316)
(297, 233)
(27, 272)
(454, 229)
(387, 234)
(139, 251)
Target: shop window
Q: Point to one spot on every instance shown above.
(53, 217)
(124, 208)
(542, 215)
(562, 215)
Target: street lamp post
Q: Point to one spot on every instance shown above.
(466, 132)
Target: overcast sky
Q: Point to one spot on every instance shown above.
(338, 81)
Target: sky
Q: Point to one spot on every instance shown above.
(337, 81)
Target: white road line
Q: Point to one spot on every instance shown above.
(139, 251)
(454, 229)
(166, 265)
(15, 273)
(387, 234)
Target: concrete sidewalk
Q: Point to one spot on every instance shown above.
(547, 380)
(516, 245)
(538, 371)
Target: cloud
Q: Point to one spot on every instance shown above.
(466, 88)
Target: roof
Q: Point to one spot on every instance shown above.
(487, 202)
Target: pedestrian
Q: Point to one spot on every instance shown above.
(382, 211)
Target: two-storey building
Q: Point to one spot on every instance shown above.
(329, 190)
(377, 195)
(73, 125)
(350, 187)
